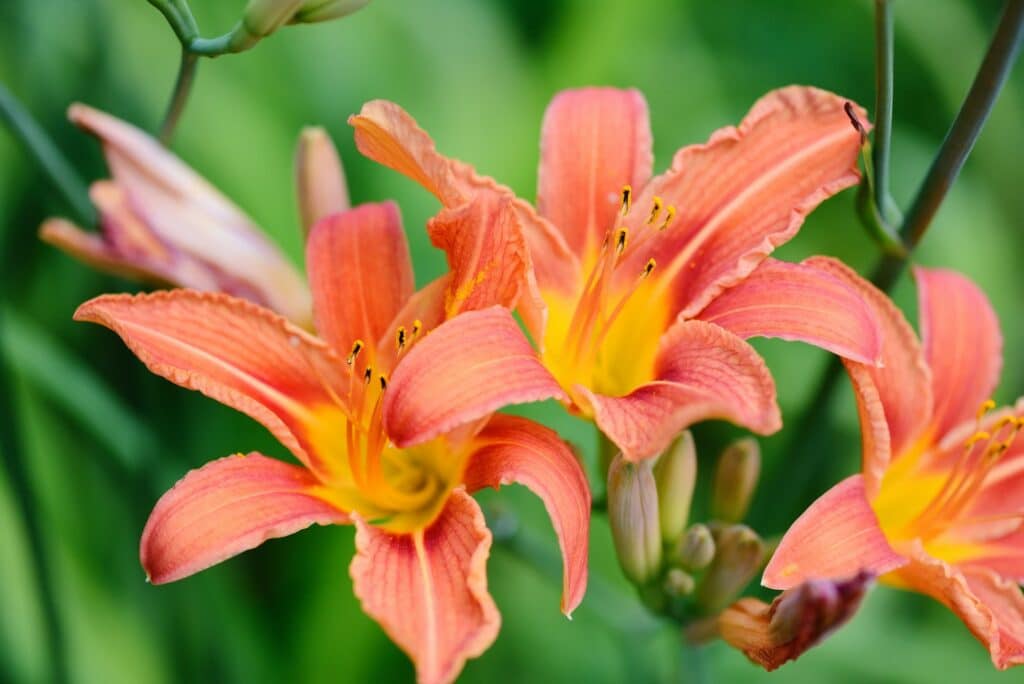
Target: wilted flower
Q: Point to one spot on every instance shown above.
(645, 288)
(163, 223)
(393, 426)
(938, 506)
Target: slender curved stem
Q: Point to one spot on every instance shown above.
(182, 89)
(38, 144)
(884, 43)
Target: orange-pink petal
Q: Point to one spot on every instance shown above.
(962, 344)
(226, 507)
(837, 537)
(593, 142)
(748, 189)
(702, 372)
(514, 450)
(991, 607)
(428, 589)
(802, 302)
(360, 274)
(470, 366)
(231, 350)
(487, 257)
(894, 399)
(321, 188)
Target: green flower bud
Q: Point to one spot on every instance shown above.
(697, 549)
(676, 474)
(633, 516)
(678, 583)
(737, 559)
(735, 479)
(325, 10)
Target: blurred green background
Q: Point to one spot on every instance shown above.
(102, 438)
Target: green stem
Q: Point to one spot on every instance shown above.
(883, 104)
(962, 135)
(38, 144)
(182, 89)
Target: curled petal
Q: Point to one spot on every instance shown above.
(894, 399)
(518, 451)
(702, 372)
(486, 253)
(772, 634)
(193, 217)
(319, 178)
(360, 274)
(428, 589)
(747, 190)
(593, 142)
(837, 537)
(799, 302)
(242, 355)
(226, 507)
(470, 366)
(962, 344)
(991, 607)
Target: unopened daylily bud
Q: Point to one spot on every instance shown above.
(324, 10)
(796, 620)
(263, 17)
(736, 476)
(678, 583)
(633, 516)
(675, 474)
(697, 549)
(319, 177)
(738, 555)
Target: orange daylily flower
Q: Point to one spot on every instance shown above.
(162, 222)
(389, 412)
(643, 289)
(938, 506)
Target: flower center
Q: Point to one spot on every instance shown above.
(925, 501)
(583, 329)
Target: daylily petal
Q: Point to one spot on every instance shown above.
(486, 253)
(470, 366)
(518, 451)
(748, 189)
(93, 250)
(242, 355)
(837, 537)
(319, 178)
(387, 134)
(703, 372)
(188, 213)
(772, 634)
(800, 302)
(893, 400)
(593, 142)
(428, 589)
(229, 506)
(992, 608)
(360, 274)
(962, 344)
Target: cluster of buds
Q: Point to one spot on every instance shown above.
(693, 570)
(263, 17)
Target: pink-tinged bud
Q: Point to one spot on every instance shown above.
(319, 177)
(739, 468)
(633, 516)
(162, 222)
(697, 549)
(676, 474)
(263, 17)
(799, 618)
(325, 10)
(739, 553)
